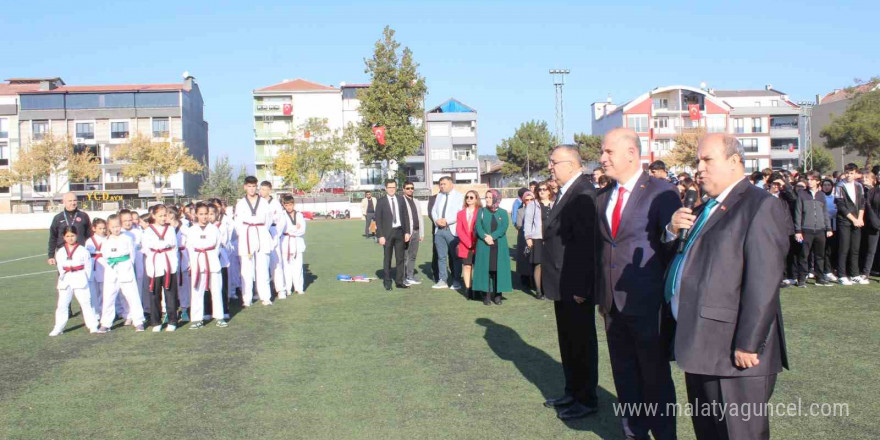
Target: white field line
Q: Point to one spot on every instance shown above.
(22, 258)
(27, 274)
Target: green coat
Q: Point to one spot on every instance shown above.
(481, 259)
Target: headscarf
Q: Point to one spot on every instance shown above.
(496, 200)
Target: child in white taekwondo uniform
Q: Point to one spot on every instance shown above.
(74, 271)
(136, 235)
(203, 245)
(215, 216)
(93, 245)
(277, 211)
(252, 220)
(292, 227)
(160, 252)
(183, 277)
(118, 255)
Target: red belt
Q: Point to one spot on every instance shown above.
(288, 245)
(73, 268)
(95, 263)
(248, 235)
(167, 266)
(207, 266)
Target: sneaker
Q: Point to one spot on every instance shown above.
(54, 333)
(139, 328)
(830, 277)
(844, 281)
(823, 282)
(185, 315)
(157, 328)
(102, 330)
(786, 283)
(811, 276)
(267, 303)
(222, 324)
(413, 282)
(127, 322)
(440, 285)
(196, 325)
(455, 286)
(863, 280)
(170, 328)
(300, 293)
(282, 296)
(802, 284)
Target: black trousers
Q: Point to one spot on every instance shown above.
(579, 349)
(849, 242)
(831, 253)
(792, 259)
(394, 244)
(871, 236)
(170, 299)
(640, 365)
(708, 395)
(814, 241)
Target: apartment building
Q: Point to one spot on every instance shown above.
(450, 147)
(99, 119)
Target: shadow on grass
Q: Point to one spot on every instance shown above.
(546, 374)
(309, 277)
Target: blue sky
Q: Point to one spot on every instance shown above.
(493, 56)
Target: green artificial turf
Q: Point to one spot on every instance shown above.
(352, 361)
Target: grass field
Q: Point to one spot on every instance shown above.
(351, 361)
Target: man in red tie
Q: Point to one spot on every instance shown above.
(634, 211)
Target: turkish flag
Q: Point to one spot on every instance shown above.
(694, 110)
(379, 132)
(791, 148)
(288, 109)
(307, 134)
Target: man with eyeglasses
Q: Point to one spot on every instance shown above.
(393, 229)
(446, 207)
(415, 236)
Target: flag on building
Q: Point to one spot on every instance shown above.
(287, 108)
(694, 110)
(379, 132)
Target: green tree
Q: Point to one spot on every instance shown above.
(239, 181)
(684, 153)
(823, 161)
(590, 146)
(304, 161)
(219, 182)
(393, 100)
(858, 129)
(155, 161)
(527, 151)
(54, 159)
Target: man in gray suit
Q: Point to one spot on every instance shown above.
(633, 213)
(723, 289)
(415, 237)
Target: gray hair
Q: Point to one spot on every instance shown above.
(573, 150)
(733, 146)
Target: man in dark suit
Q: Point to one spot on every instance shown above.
(392, 228)
(723, 291)
(435, 270)
(633, 213)
(569, 277)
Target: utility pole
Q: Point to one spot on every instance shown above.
(806, 134)
(559, 81)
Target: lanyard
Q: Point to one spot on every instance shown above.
(66, 219)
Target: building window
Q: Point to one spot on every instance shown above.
(371, 176)
(783, 122)
(739, 125)
(439, 154)
(774, 103)
(438, 129)
(662, 144)
(41, 185)
(463, 129)
(119, 130)
(787, 164)
(639, 123)
(661, 122)
(463, 152)
(158, 100)
(85, 130)
(757, 125)
(661, 103)
(40, 128)
(750, 145)
(757, 103)
(784, 144)
(160, 127)
(4, 153)
(42, 102)
(4, 128)
(751, 165)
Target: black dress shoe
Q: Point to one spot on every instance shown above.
(487, 300)
(559, 401)
(576, 411)
(387, 285)
(497, 299)
(401, 286)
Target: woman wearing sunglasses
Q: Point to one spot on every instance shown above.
(492, 261)
(467, 241)
(535, 215)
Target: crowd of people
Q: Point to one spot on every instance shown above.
(177, 264)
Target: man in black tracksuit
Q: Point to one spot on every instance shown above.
(70, 216)
(812, 226)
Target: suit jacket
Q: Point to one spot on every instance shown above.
(385, 218)
(570, 240)
(633, 265)
(414, 212)
(466, 233)
(729, 291)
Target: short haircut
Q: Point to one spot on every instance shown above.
(98, 221)
(266, 183)
(407, 182)
(657, 165)
(445, 178)
(368, 192)
(250, 180)
(732, 146)
(112, 217)
(533, 183)
(201, 205)
(850, 167)
(124, 211)
(814, 174)
(875, 169)
(389, 181)
(287, 198)
(572, 150)
(756, 177)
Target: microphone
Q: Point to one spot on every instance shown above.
(690, 199)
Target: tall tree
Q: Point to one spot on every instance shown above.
(54, 159)
(684, 153)
(303, 161)
(239, 181)
(823, 161)
(858, 129)
(394, 100)
(218, 181)
(527, 151)
(590, 146)
(155, 161)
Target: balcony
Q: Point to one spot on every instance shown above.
(89, 186)
(4, 134)
(265, 134)
(116, 186)
(161, 134)
(119, 135)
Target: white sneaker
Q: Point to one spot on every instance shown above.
(786, 283)
(863, 280)
(282, 296)
(267, 303)
(844, 281)
(440, 285)
(455, 286)
(157, 328)
(412, 282)
(170, 328)
(830, 277)
(55, 333)
(127, 322)
(811, 276)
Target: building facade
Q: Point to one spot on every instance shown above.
(833, 105)
(99, 119)
(451, 145)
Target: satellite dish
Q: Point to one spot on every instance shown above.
(186, 74)
(703, 85)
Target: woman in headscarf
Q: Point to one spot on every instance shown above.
(492, 262)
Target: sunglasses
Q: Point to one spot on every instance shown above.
(543, 189)
(470, 198)
(409, 188)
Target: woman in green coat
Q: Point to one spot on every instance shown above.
(492, 261)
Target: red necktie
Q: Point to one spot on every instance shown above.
(615, 216)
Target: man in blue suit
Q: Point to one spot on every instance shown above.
(633, 213)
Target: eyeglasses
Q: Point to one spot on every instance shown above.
(553, 163)
(543, 189)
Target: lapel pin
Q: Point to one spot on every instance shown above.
(723, 208)
(642, 186)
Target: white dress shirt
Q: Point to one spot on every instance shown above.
(612, 202)
(395, 211)
(564, 188)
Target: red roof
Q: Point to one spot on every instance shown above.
(296, 85)
(839, 95)
(116, 88)
(14, 89)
